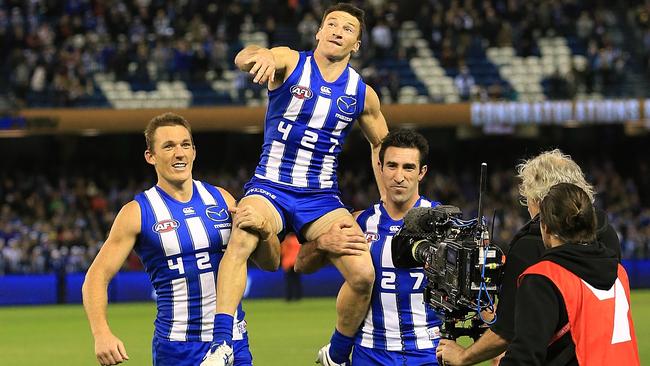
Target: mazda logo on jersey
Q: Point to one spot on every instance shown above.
(347, 104)
(301, 92)
(165, 226)
(370, 237)
(216, 213)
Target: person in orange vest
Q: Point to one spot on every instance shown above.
(289, 252)
(577, 288)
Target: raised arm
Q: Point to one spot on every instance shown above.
(273, 65)
(267, 254)
(373, 125)
(109, 349)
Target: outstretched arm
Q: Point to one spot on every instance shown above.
(273, 65)
(373, 125)
(109, 349)
(341, 239)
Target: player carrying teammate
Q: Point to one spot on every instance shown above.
(179, 228)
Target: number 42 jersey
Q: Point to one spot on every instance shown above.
(181, 245)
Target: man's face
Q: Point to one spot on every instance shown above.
(338, 35)
(172, 153)
(401, 173)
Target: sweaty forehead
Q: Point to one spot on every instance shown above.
(343, 16)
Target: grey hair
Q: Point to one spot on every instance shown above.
(547, 169)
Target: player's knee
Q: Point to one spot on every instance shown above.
(361, 280)
(242, 243)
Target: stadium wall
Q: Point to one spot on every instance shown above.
(135, 286)
(248, 119)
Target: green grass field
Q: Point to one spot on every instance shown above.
(287, 334)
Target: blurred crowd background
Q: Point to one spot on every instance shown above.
(56, 208)
(60, 53)
(57, 204)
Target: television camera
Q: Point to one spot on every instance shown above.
(462, 267)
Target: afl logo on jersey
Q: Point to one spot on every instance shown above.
(165, 226)
(347, 104)
(216, 213)
(371, 237)
(301, 92)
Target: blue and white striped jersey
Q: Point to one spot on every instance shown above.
(181, 245)
(307, 121)
(397, 319)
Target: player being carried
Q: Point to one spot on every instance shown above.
(314, 99)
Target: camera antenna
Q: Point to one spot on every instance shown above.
(482, 185)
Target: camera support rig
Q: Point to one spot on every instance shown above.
(461, 267)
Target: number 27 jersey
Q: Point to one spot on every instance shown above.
(181, 245)
(306, 123)
(398, 319)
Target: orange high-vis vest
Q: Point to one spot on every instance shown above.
(600, 321)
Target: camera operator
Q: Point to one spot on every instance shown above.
(537, 176)
(399, 329)
(578, 287)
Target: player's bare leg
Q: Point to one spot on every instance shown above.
(231, 278)
(354, 297)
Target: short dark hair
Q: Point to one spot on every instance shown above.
(350, 9)
(405, 138)
(165, 119)
(568, 213)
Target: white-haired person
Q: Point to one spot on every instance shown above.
(577, 288)
(537, 176)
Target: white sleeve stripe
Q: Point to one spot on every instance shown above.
(372, 223)
(305, 77)
(300, 167)
(420, 325)
(295, 105)
(180, 311)
(391, 322)
(327, 172)
(207, 198)
(353, 81)
(272, 171)
(386, 253)
(208, 298)
(238, 327)
(169, 239)
(367, 331)
(198, 233)
(321, 111)
(340, 126)
(225, 235)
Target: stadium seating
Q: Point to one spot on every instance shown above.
(170, 63)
